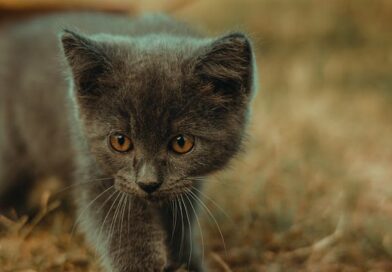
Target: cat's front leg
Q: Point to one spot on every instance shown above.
(183, 243)
(126, 233)
(142, 250)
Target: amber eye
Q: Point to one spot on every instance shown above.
(182, 144)
(120, 142)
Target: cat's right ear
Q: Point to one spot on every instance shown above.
(228, 65)
(87, 61)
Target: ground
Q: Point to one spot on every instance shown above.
(313, 189)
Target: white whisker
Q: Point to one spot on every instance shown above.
(172, 215)
(122, 216)
(107, 214)
(88, 205)
(74, 184)
(115, 216)
(129, 216)
(190, 231)
(214, 203)
(212, 216)
(182, 225)
(200, 229)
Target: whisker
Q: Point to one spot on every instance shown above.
(98, 211)
(212, 216)
(100, 179)
(201, 178)
(85, 209)
(175, 215)
(214, 203)
(182, 226)
(114, 219)
(107, 214)
(129, 215)
(200, 229)
(190, 231)
(114, 214)
(122, 216)
(74, 184)
(172, 215)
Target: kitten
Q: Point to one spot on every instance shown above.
(152, 108)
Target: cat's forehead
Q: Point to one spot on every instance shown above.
(154, 114)
(156, 71)
(156, 98)
(154, 91)
(154, 82)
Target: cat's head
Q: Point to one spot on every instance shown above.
(159, 112)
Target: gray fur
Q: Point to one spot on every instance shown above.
(151, 78)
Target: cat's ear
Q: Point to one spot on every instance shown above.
(227, 63)
(87, 61)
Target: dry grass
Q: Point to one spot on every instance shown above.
(313, 192)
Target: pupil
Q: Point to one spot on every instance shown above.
(181, 141)
(121, 140)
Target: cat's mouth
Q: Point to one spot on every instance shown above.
(164, 193)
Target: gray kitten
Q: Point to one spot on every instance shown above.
(152, 108)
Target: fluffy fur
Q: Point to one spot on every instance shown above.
(150, 78)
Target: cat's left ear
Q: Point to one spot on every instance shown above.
(228, 63)
(88, 62)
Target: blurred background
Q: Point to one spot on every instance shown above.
(313, 191)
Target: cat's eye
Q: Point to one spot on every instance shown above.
(120, 143)
(182, 144)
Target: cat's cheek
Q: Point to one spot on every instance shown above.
(209, 157)
(108, 161)
(125, 181)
